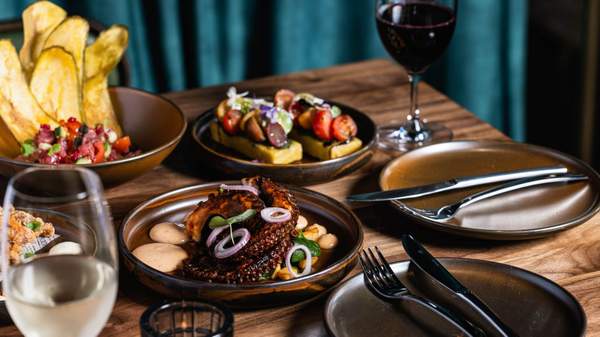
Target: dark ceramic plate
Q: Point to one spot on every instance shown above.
(154, 124)
(172, 206)
(306, 172)
(530, 304)
(524, 214)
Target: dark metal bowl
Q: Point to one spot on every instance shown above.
(307, 172)
(154, 124)
(172, 206)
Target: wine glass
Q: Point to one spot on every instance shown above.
(64, 282)
(415, 33)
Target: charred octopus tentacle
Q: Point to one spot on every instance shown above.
(268, 244)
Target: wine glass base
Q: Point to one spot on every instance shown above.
(400, 138)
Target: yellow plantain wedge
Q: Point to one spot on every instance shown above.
(39, 20)
(101, 57)
(71, 34)
(54, 84)
(18, 108)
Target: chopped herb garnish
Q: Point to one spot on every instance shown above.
(33, 225)
(28, 254)
(27, 148)
(54, 149)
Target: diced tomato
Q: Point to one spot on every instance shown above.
(99, 156)
(343, 128)
(231, 121)
(322, 124)
(122, 144)
(284, 98)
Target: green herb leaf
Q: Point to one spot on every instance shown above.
(54, 149)
(33, 225)
(314, 248)
(28, 255)
(297, 256)
(219, 221)
(264, 276)
(27, 148)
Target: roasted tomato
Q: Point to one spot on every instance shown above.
(231, 121)
(284, 98)
(343, 128)
(99, 156)
(322, 124)
(254, 131)
(221, 110)
(306, 118)
(296, 109)
(122, 144)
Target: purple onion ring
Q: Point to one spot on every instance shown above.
(308, 265)
(246, 188)
(213, 235)
(275, 214)
(222, 253)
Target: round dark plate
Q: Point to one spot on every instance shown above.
(306, 172)
(529, 303)
(154, 123)
(174, 205)
(524, 214)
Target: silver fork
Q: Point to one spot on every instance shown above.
(448, 212)
(383, 283)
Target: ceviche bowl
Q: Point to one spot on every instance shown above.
(154, 124)
(173, 207)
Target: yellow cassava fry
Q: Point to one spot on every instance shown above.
(39, 20)
(101, 57)
(18, 108)
(54, 84)
(71, 34)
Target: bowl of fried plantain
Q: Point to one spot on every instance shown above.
(57, 76)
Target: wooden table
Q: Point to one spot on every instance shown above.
(380, 89)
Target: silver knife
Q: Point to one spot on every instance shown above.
(454, 184)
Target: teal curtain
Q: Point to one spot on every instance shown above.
(176, 45)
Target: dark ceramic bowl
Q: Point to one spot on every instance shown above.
(306, 172)
(154, 124)
(172, 206)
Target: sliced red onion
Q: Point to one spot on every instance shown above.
(275, 214)
(221, 252)
(308, 265)
(246, 188)
(213, 235)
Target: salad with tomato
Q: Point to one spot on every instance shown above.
(73, 142)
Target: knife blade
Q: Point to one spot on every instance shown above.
(454, 184)
(431, 266)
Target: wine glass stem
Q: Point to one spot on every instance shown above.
(414, 113)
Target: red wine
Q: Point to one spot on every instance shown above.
(415, 34)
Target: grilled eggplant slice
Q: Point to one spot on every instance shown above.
(39, 20)
(18, 108)
(55, 86)
(101, 57)
(71, 34)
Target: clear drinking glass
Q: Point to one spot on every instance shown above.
(69, 290)
(415, 33)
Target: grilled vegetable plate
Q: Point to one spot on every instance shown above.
(18, 108)
(268, 154)
(101, 57)
(55, 85)
(71, 34)
(39, 20)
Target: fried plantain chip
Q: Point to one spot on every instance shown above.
(18, 108)
(39, 20)
(97, 105)
(71, 34)
(54, 84)
(101, 57)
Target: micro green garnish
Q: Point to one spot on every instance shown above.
(28, 254)
(54, 149)
(33, 225)
(219, 221)
(299, 255)
(27, 148)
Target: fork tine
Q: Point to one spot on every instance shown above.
(390, 273)
(372, 271)
(379, 269)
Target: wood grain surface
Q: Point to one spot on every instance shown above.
(379, 88)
